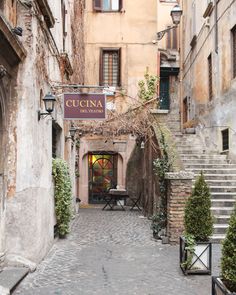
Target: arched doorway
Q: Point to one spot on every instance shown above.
(102, 175)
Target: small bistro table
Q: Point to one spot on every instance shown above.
(114, 197)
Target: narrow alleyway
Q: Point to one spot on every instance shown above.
(113, 253)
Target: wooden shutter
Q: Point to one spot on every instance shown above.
(210, 77)
(234, 51)
(119, 69)
(101, 68)
(120, 4)
(97, 5)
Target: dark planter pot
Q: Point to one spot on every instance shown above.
(201, 260)
(218, 287)
(62, 236)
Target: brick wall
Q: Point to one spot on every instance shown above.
(179, 189)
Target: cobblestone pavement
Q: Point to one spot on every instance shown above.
(109, 253)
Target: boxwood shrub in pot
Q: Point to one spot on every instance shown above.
(195, 247)
(63, 195)
(226, 284)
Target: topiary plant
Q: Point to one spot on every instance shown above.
(63, 193)
(198, 219)
(228, 259)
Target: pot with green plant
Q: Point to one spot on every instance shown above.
(226, 284)
(63, 195)
(195, 245)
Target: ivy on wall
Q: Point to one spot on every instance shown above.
(63, 195)
(148, 86)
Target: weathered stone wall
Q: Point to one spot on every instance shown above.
(179, 189)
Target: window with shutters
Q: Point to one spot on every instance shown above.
(210, 87)
(171, 39)
(110, 63)
(107, 5)
(234, 51)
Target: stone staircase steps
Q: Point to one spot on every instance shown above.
(220, 228)
(219, 174)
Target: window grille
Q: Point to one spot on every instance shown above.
(110, 67)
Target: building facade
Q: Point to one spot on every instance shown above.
(208, 72)
(118, 50)
(37, 51)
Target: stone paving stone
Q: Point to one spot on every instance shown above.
(109, 253)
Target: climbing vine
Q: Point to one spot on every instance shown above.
(162, 165)
(63, 193)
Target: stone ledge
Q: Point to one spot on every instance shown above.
(158, 111)
(184, 175)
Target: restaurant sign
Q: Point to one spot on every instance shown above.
(85, 106)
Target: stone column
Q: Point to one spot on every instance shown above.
(179, 189)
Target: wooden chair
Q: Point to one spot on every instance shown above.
(136, 202)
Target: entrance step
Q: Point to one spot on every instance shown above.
(217, 238)
(10, 277)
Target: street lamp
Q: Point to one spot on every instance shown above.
(49, 102)
(175, 13)
(72, 132)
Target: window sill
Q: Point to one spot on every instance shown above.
(158, 111)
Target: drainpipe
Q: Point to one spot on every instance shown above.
(216, 26)
(181, 59)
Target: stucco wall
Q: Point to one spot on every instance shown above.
(132, 30)
(218, 113)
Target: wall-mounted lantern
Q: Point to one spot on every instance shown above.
(72, 132)
(49, 103)
(176, 14)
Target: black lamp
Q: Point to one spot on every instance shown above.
(49, 103)
(72, 132)
(176, 14)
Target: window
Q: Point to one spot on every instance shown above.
(185, 110)
(107, 5)
(63, 15)
(234, 50)
(110, 63)
(172, 39)
(210, 88)
(225, 139)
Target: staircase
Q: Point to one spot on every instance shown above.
(219, 174)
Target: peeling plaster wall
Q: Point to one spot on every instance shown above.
(30, 216)
(219, 113)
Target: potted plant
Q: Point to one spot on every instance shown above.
(195, 247)
(227, 283)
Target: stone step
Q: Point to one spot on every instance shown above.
(220, 228)
(222, 195)
(217, 238)
(222, 219)
(221, 182)
(10, 277)
(195, 152)
(193, 157)
(218, 177)
(211, 166)
(212, 170)
(223, 203)
(222, 210)
(223, 189)
(205, 161)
